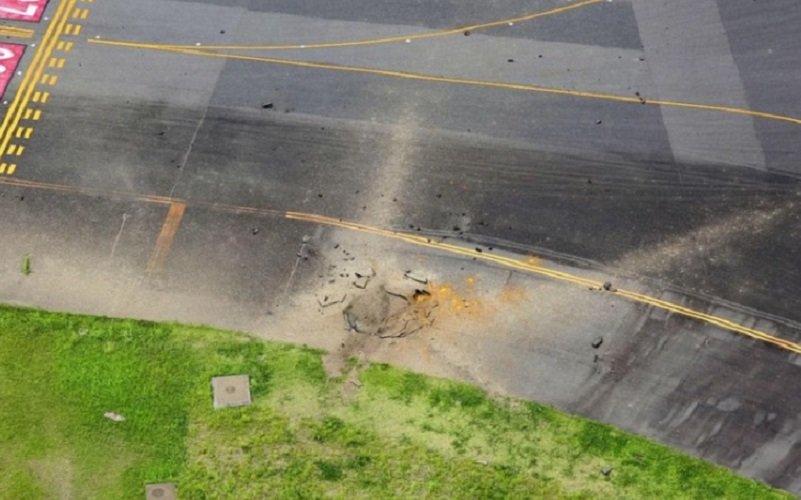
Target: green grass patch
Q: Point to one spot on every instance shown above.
(399, 434)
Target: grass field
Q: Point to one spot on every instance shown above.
(375, 432)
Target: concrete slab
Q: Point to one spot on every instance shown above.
(231, 391)
(161, 491)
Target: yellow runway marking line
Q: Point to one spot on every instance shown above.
(18, 107)
(14, 31)
(393, 39)
(558, 275)
(172, 222)
(521, 87)
(64, 46)
(37, 113)
(87, 191)
(166, 237)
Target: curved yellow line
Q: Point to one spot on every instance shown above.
(554, 274)
(392, 39)
(465, 81)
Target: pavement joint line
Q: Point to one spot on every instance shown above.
(398, 38)
(166, 237)
(178, 207)
(523, 87)
(25, 91)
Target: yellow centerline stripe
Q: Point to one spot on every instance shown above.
(507, 262)
(554, 274)
(464, 81)
(392, 39)
(23, 96)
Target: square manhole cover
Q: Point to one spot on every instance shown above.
(165, 491)
(232, 390)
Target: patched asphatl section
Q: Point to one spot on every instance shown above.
(231, 391)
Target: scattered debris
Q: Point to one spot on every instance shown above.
(328, 301)
(114, 417)
(608, 286)
(598, 122)
(467, 33)
(255, 231)
(362, 280)
(597, 341)
(267, 105)
(26, 264)
(606, 470)
(510, 60)
(83, 331)
(411, 275)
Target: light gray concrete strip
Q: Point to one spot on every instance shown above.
(689, 57)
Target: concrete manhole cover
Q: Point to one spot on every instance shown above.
(231, 390)
(165, 491)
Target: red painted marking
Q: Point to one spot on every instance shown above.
(10, 55)
(22, 10)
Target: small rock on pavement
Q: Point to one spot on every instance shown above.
(608, 286)
(411, 275)
(606, 470)
(361, 281)
(597, 341)
(115, 417)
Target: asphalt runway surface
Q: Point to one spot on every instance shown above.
(656, 143)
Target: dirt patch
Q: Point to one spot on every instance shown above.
(55, 475)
